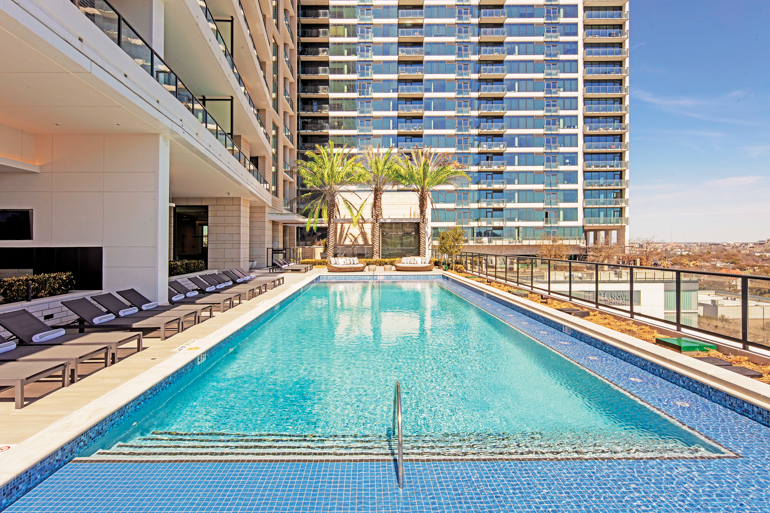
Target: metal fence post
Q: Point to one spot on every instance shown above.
(745, 312)
(495, 267)
(569, 280)
(548, 263)
(532, 273)
(505, 263)
(631, 286)
(678, 300)
(517, 270)
(596, 286)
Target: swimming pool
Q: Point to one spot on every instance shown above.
(316, 380)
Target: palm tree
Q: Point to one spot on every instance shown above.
(325, 173)
(423, 170)
(381, 172)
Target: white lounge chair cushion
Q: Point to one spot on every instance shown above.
(103, 318)
(7, 346)
(50, 334)
(149, 306)
(178, 297)
(128, 311)
(192, 293)
(211, 289)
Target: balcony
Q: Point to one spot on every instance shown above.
(404, 145)
(551, 166)
(411, 15)
(551, 203)
(411, 128)
(314, 127)
(552, 73)
(605, 146)
(313, 53)
(289, 101)
(492, 16)
(411, 109)
(492, 34)
(497, 109)
(604, 3)
(411, 53)
(552, 54)
(288, 135)
(411, 34)
(605, 184)
(603, 166)
(601, 17)
(314, 90)
(492, 53)
(605, 221)
(462, 204)
(492, 184)
(605, 54)
(605, 91)
(487, 2)
(491, 203)
(605, 109)
(314, 35)
(551, 110)
(604, 72)
(417, 71)
(493, 146)
(551, 129)
(551, 183)
(411, 90)
(615, 128)
(551, 221)
(314, 16)
(493, 90)
(319, 72)
(605, 35)
(493, 71)
(551, 147)
(489, 128)
(610, 202)
(492, 165)
(552, 37)
(314, 109)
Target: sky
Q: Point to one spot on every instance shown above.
(700, 120)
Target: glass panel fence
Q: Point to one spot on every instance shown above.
(615, 287)
(657, 292)
(712, 303)
(133, 45)
(525, 271)
(759, 311)
(540, 273)
(559, 278)
(583, 281)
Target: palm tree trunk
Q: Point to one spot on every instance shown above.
(331, 237)
(423, 204)
(377, 216)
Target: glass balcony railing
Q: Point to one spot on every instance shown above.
(493, 70)
(598, 128)
(411, 32)
(288, 64)
(551, 166)
(324, 70)
(115, 27)
(605, 184)
(551, 202)
(492, 203)
(492, 164)
(606, 52)
(253, 45)
(607, 202)
(606, 109)
(320, 109)
(552, 91)
(411, 89)
(462, 110)
(551, 147)
(365, 55)
(411, 51)
(589, 165)
(314, 90)
(551, 110)
(492, 107)
(461, 146)
(610, 89)
(320, 13)
(551, 183)
(493, 146)
(402, 145)
(605, 34)
(552, 54)
(605, 71)
(605, 146)
(411, 13)
(492, 127)
(317, 51)
(288, 99)
(411, 127)
(493, 184)
(492, 50)
(609, 221)
(411, 108)
(493, 32)
(314, 33)
(315, 127)
(493, 13)
(411, 70)
(287, 134)
(493, 89)
(288, 27)
(606, 15)
(363, 129)
(551, 129)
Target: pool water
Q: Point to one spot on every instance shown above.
(318, 378)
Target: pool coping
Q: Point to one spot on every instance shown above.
(54, 446)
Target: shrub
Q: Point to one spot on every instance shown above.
(366, 261)
(177, 267)
(43, 285)
(459, 268)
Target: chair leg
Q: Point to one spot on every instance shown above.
(19, 394)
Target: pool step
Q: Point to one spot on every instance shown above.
(279, 446)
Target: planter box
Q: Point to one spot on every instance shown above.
(388, 267)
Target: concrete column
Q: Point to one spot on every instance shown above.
(260, 235)
(277, 235)
(228, 232)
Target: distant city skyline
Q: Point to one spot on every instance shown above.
(700, 133)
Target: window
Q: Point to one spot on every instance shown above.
(365, 107)
(15, 225)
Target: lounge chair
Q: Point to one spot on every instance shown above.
(224, 283)
(73, 355)
(285, 265)
(143, 304)
(20, 374)
(91, 317)
(344, 265)
(181, 295)
(118, 308)
(28, 329)
(414, 264)
(205, 286)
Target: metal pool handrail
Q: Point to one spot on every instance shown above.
(397, 418)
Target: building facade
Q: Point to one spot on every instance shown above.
(532, 98)
(134, 132)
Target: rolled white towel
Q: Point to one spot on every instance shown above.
(178, 297)
(211, 289)
(228, 283)
(192, 293)
(50, 334)
(103, 318)
(7, 346)
(239, 280)
(149, 306)
(128, 311)
(220, 286)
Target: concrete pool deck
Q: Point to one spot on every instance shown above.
(45, 425)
